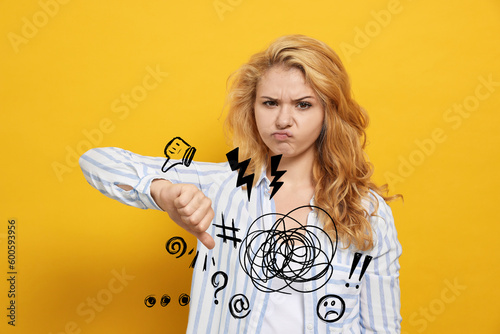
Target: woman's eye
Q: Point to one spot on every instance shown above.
(304, 105)
(270, 103)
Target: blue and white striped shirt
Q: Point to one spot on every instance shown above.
(334, 301)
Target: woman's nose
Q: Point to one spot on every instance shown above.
(284, 118)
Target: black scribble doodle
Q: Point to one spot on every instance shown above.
(239, 306)
(150, 301)
(232, 158)
(177, 148)
(275, 161)
(330, 308)
(184, 299)
(292, 255)
(165, 299)
(355, 261)
(175, 245)
(224, 236)
(216, 282)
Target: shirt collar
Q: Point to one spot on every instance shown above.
(266, 183)
(263, 179)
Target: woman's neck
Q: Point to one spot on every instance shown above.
(297, 189)
(299, 171)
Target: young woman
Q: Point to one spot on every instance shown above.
(289, 106)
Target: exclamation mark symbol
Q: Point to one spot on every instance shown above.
(366, 263)
(357, 257)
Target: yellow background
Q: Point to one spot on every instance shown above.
(410, 62)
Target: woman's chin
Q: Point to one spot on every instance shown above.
(286, 153)
(284, 149)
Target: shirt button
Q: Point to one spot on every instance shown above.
(310, 327)
(308, 287)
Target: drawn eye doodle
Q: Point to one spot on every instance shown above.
(150, 301)
(165, 299)
(184, 299)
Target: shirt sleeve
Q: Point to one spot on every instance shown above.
(380, 302)
(106, 168)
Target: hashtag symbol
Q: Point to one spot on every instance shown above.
(226, 237)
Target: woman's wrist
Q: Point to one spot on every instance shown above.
(157, 186)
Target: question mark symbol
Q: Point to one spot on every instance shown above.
(216, 283)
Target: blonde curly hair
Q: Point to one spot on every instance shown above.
(341, 171)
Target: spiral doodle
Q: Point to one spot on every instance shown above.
(175, 245)
(292, 255)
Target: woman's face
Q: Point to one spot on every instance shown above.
(288, 113)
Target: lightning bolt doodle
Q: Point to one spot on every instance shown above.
(275, 161)
(232, 158)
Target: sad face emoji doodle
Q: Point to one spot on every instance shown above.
(330, 308)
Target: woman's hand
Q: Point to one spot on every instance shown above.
(187, 206)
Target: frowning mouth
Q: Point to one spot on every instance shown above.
(331, 312)
(282, 135)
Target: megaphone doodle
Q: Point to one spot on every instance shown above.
(177, 148)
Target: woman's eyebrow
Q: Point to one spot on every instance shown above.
(305, 97)
(296, 100)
